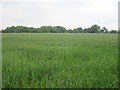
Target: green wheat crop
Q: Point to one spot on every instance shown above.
(46, 60)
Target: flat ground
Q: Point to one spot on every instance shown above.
(46, 60)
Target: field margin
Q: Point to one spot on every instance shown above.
(118, 44)
(0, 61)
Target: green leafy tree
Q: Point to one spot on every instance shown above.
(78, 30)
(70, 31)
(56, 29)
(86, 30)
(113, 31)
(59, 29)
(105, 29)
(94, 29)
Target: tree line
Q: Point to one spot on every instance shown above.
(57, 29)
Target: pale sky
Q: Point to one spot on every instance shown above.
(67, 13)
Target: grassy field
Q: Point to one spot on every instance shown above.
(60, 60)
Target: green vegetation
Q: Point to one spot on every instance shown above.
(54, 60)
(56, 29)
(0, 60)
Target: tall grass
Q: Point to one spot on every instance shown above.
(60, 60)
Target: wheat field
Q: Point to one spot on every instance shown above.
(59, 60)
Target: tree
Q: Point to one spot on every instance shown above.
(87, 30)
(113, 31)
(105, 29)
(56, 29)
(59, 29)
(69, 31)
(43, 29)
(46, 29)
(78, 30)
(94, 29)
(10, 29)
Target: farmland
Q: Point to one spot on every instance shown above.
(54, 60)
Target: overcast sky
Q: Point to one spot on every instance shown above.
(67, 13)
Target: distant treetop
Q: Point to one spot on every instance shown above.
(57, 29)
